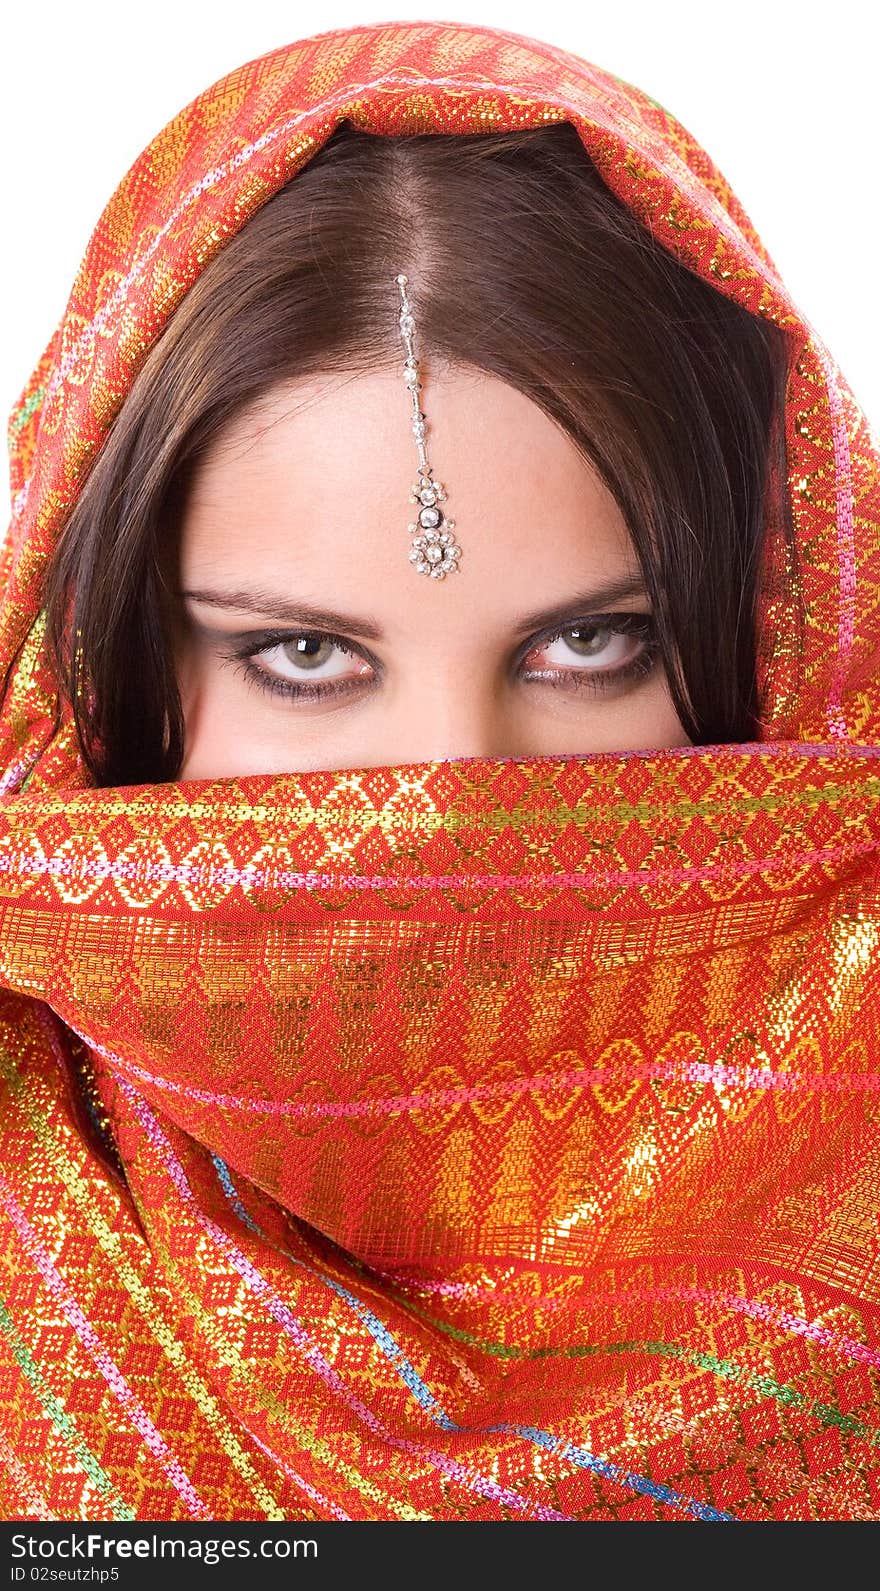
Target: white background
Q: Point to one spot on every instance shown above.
(783, 96)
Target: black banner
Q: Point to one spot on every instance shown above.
(170, 1555)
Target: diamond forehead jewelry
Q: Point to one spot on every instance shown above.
(435, 551)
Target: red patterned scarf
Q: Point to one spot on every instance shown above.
(485, 1139)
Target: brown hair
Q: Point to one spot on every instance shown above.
(522, 264)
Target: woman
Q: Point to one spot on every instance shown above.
(578, 382)
(424, 1102)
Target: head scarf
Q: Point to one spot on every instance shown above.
(475, 1139)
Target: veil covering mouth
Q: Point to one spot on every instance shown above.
(478, 1139)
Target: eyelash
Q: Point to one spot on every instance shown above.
(595, 680)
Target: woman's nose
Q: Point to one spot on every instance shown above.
(443, 722)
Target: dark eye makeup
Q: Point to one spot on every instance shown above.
(596, 633)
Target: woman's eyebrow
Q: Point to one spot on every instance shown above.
(268, 607)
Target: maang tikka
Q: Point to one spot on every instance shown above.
(434, 549)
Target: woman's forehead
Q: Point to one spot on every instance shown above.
(310, 491)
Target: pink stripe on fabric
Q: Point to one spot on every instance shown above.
(846, 545)
(13, 775)
(771, 1314)
(109, 1369)
(24, 865)
(312, 1355)
(690, 1072)
(20, 498)
(310, 1491)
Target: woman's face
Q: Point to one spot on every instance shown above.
(307, 639)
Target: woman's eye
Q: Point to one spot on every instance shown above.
(305, 659)
(600, 648)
